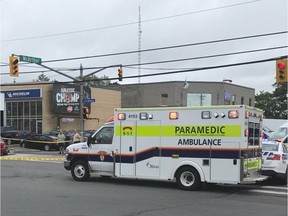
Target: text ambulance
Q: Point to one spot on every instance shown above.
(218, 144)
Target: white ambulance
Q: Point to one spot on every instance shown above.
(217, 144)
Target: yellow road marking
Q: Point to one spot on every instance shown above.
(31, 159)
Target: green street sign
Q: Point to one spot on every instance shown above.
(30, 59)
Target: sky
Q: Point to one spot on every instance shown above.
(172, 36)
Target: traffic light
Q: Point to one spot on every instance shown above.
(86, 112)
(120, 73)
(281, 71)
(13, 63)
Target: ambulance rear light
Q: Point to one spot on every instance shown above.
(121, 116)
(246, 133)
(233, 114)
(173, 115)
(246, 115)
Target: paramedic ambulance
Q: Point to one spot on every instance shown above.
(217, 144)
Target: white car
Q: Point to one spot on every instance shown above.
(275, 160)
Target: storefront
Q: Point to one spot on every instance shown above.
(45, 106)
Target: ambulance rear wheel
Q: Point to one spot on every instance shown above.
(80, 171)
(188, 178)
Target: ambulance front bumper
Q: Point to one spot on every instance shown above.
(67, 165)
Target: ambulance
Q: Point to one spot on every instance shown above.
(189, 145)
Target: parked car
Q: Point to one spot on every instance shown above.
(275, 160)
(42, 141)
(11, 135)
(4, 149)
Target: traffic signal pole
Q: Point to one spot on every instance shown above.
(81, 99)
(14, 66)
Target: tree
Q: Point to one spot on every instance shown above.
(274, 104)
(42, 77)
(94, 81)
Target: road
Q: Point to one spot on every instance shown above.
(44, 187)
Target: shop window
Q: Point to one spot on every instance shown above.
(199, 99)
(164, 99)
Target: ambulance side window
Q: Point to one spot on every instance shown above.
(104, 136)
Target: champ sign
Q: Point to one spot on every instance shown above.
(66, 98)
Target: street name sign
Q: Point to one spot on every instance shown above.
(30, 59)
(88, 100)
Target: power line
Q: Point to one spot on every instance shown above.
(169, 47)
(171, 72)
(130, 23)
(164, 48)
(166, 61)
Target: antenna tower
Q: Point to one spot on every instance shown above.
(139, 44)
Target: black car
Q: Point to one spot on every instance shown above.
(42, 141)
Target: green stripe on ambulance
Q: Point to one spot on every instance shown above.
(181, 130)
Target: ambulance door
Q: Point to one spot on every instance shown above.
(148, 148)
(100, 150)
(225, 163)
(127, 148)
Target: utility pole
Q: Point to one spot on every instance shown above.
(80, 79)
(81, 98)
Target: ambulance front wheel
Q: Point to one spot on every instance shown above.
(80, 171)
(188, 178)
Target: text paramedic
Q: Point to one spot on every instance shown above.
(200, 130)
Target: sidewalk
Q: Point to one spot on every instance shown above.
(18, 153)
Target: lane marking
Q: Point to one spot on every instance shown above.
(268, 192)
(31, 159)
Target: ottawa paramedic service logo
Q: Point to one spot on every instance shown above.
(102, 155)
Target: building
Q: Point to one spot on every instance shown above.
(179, 93)
(45, 106)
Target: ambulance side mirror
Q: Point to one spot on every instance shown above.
(89, 141)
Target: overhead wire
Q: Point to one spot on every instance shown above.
(165, 61)
(165, 47)
(131, 23)
(167, 73)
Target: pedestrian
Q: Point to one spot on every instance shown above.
(76, 137)
(61, 141)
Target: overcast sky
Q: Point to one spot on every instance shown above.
(64, 29)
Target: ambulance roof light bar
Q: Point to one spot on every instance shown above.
(173, 115)
(233, 114)
(121, 116)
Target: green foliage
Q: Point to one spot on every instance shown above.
(94, 81)
(274, 104)
(42, 77)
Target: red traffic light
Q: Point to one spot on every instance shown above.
(281, 65)
(120, 74)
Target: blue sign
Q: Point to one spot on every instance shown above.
(88, 100)
(24, 93)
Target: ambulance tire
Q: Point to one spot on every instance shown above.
(187, 178)
(80, 170)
